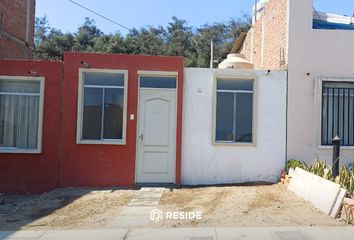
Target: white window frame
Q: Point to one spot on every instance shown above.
(254, 110)
(80, 103)
(319, 110)
(41, 81)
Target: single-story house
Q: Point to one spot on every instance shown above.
(124, 120)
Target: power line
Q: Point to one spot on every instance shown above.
(100, 15)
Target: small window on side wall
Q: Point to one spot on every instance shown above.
(102, 106)
(234, 111)
(21, 114)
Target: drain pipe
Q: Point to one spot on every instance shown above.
(28, 23)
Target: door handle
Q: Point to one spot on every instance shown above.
(141, 136)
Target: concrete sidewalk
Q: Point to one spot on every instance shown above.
(276, 233)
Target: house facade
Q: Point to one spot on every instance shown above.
(124, 120)
(319, 61)
(92, 120)
(129, 120)
(234, 126)
(17, 18)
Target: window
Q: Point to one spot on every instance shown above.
(157, 82)
(234, 111)
(337, 112)
(102, 106)
(21, 110)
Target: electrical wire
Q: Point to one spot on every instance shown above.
(100, 15)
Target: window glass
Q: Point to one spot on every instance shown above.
(113, 114)
(157, 82)
(103, 106)
(104, 79)
(244, 103)
(225, 117)
(19, 114)
(239, 84)
(92, 119)
(234, 111)
(17, 86)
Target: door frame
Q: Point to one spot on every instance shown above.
(149, 73)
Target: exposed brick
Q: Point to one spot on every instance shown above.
(13, 14)
(270, 31)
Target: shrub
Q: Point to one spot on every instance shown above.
(345, 177)
(294, 163)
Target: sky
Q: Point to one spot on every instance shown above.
(66, 16)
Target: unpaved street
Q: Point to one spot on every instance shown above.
(235, 206)
(271, 205)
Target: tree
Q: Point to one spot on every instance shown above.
(109, 44)
(177, 39)
(85, 36)
(53, 44)
(180, 40)
(146, 41)
(41, 30)
(218, 33)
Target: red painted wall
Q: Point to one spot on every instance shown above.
(64, 163)
(108, 165)
(21, 173)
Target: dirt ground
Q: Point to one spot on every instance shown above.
(63, 209)
(243, 206)
(76, 208)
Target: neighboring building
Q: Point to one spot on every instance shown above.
(267, 41)
(317, 50)
(17, 18)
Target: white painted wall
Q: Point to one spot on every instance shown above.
(322, 53)
(204, 163)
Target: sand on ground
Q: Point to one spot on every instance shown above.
(69, 208)
(230, 206)
(243, 206)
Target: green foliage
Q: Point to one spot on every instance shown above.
(86, 36)
(41, 29)
(294, 163)
(318, 168)
(345, 177)
(177, 39)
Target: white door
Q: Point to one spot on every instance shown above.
(156, 142)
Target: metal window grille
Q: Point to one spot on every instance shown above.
(337, 112)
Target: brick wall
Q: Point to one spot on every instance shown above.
(13, 28)
(266, 42)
